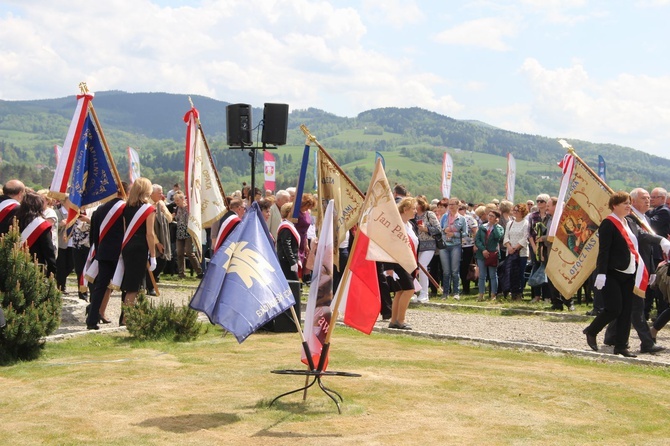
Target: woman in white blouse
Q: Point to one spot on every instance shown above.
(516, 243)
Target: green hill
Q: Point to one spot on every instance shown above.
(412, 141)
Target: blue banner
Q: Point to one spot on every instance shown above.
(244, 286)
(602, 168)
(92, 178)
(379, 156)
(301, 182)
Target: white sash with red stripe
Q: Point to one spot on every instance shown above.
(138, 220)
(641, 274)
(34, 230)
(91, 267)
(288, 225)
(6, 207)
(226, 228)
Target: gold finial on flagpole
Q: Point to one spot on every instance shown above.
(566, 145)
(191, 102)
(305, 130)
(83, 87)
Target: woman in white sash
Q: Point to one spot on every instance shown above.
(141, 245)
(36, 231)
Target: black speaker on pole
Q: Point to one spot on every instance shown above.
(275, 124)
(238, 120)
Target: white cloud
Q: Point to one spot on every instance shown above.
(393, 12)
(486, 33)
(631, 109)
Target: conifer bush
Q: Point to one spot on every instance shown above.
(30, 300)
(147, 320)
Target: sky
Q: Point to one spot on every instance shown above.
(575, 69)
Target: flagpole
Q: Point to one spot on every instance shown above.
(117, 177)
(209, 153)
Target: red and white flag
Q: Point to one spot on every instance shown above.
(133, 165)
(447, 173)
(203, 194)
(381, 237)
(269, 170)
(320, 301)
(511, 177)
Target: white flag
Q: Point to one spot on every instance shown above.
(133, 165)
(511, 177)
(381, 223)
(319, 304)
(447, 173)
(205, 200)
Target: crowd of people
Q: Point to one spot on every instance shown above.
(496, 246)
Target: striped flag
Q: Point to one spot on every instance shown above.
(133, 165)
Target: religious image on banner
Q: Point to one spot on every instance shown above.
(575, 227)
(574, 251)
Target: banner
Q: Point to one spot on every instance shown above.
(381, 157)
(335, 185)
(602, 169)
(133, 165)
(269, 171)
(319, 303)
(381, 223)
(574, 227)
(57, 151)
(203, 193)
(447, 173)
(92, 178)
(244, 287)
(301, 181)
(511, 177)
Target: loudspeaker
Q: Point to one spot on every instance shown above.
(238, 120)
(275, 124)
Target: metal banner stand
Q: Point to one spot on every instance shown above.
(317, 374)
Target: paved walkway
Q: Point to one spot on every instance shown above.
(546, 331)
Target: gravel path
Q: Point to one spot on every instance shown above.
(551, 332)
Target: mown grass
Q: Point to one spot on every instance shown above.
(111, 389)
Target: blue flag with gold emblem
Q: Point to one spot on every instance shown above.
(244, 287)
(92, 179)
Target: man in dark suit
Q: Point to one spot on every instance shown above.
(107, 252)
(12, 194)
(638, 221)
(659, 219)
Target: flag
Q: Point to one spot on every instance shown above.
(60, 181)
(57, 151)
(511, 177)
(301, 181)
(335, 185)
(203, 193)
(381, 157)
(133, 165)
(92, 181)
(320, 301)
(244, 287)
(381, 223)
(582, 205)
(602, 169)
(447, 173)
(269, 169)
(361, 300)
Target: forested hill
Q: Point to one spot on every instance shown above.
(154, 123)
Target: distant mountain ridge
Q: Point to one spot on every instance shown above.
(136, 118)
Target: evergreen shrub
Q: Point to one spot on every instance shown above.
(30, 300)
(147, 320)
